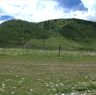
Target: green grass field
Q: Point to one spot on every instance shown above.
(53, 43)
(42, 72)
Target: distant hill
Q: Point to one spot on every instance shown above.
(70, 33)
(15, 33)
(73, 29)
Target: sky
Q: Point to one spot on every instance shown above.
(41, 10)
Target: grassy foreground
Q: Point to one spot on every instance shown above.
(38, 72)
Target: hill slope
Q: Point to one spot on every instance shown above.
(74, 29)
(72, 34)
(16, 33)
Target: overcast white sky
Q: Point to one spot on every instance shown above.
(40, 10)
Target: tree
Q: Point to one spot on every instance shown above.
(59, 38)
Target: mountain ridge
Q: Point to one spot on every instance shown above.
(17, 33)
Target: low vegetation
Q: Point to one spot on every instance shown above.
(41, 72)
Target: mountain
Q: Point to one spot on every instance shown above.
(16, 33)
(73, 29)
(72, 34)
(82, 32)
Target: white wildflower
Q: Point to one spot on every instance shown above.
(62, 94)
(14, 87)
(74, 93)
(86, 76)
(54, 89)
(61, 84)
(3, 84)
(16, 76)
(51, 83)
(31, 89)
(56, 85)
(12, 92)
(20, 81)
(47, 85)
(22, 78)
(52, 86)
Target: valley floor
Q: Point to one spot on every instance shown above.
(35, 72)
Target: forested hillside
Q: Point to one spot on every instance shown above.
(73, 29)
(70, 33)
(16, 33)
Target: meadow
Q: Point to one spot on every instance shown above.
(42, 72)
